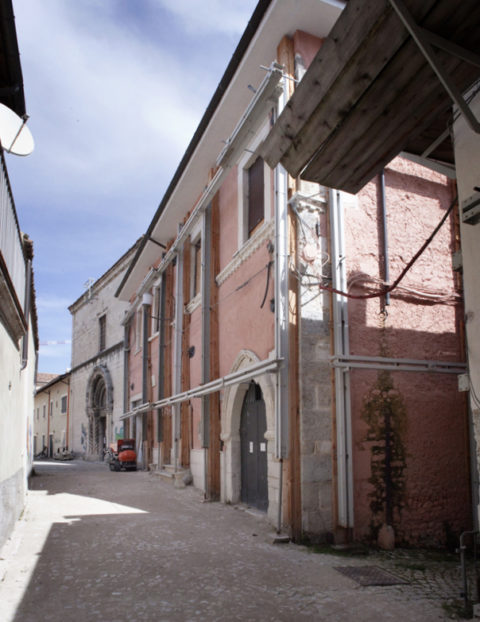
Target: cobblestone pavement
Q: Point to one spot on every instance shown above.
(126, 547)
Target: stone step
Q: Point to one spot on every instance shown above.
(167, 472)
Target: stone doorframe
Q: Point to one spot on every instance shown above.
(230, 434)
(99, 373)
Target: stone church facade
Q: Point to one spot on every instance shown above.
(97, 374)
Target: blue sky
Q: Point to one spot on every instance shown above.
(115, 90)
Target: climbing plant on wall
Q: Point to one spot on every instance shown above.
(385, 414)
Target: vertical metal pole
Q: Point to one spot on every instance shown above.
(281, 312)
(161, 354)
(342, 376)
(386, 260)
(205, 372)
(177, 353)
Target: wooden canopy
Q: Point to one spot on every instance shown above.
(371, 92)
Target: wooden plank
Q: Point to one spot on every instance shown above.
(311, 114)
(399, 101)
(293, 498)
(185, 374)
(390, 39)
(342, 43)
(167, 412)
(294, 460)
(391, 132)
(215, 420)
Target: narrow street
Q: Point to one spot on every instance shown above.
(126, 547)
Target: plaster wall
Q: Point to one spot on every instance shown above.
(467, 159)
(16, 433)
(427, 413)
(58, 420)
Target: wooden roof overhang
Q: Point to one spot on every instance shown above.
(11, 80)
(371, 92)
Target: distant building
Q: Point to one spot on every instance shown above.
(43, 378)
(18, 320)
(97, 369)
(51, 416)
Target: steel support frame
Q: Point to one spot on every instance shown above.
(425, 40)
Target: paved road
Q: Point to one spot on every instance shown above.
(94, 545)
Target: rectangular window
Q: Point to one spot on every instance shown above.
(197, 267)
(255, 195)
(44, 411)
(51, 409)
(64, 405)
(156, 311)
(138, 330)
(102, 331)
(38, 414)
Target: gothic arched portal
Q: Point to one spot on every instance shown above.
(99, 411)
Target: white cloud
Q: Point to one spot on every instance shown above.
(52, 303)
(111, 104)
(211, 16)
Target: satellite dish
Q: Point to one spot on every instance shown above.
(15, 136)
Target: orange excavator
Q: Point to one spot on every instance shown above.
(121, 456)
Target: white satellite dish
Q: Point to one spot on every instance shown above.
(15, 136)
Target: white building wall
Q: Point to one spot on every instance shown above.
(16, 413)
(467, 162)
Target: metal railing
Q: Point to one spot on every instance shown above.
(11, 246)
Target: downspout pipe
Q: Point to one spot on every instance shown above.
(342, 376)
(386, 259)
(281, 327)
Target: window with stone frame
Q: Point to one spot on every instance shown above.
(196, 266)
(156, 310)
(255, 195)
(102, 332)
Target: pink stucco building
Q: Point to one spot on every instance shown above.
(262, 358)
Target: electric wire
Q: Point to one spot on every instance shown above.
(406, 269)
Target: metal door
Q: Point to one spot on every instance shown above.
(253, 425)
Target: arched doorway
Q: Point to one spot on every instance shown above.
(253, 449)
(99, 419)
(99, 411)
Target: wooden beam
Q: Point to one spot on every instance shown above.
(290, 140)
(402, 101)
(167, 412)
(185, 433)
(215, 420)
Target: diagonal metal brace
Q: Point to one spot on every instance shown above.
(425, 40)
